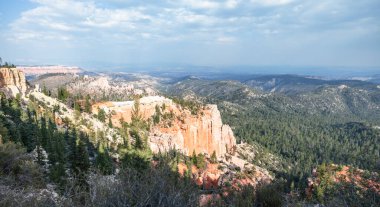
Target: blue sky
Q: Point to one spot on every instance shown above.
(196, 32)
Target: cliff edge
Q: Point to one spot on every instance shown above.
(178, 128)
(12, 82)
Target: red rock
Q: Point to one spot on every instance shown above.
(199, 181)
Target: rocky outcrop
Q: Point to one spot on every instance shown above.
(203, 133)
(178, 128)
(12, 82)
(219, 175)
(340, 175)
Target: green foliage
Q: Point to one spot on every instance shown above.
(270, 195)
(45, 90)
(6, 64)
(137, 120)
(104, 161)
(152, 186)
(87, 106)
(213, 158)
(19, 166)
(201, 163)
(194, 158)
(101, 115)
(136, 116)
(63, 94)
(77, 107)
(244, 197)
(193, 106)
(81, 163)
(157, 115)
(110, 125)
(305, 141)
(136, 159)
(140, 139)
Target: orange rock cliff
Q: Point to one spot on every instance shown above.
(202, 133)
(12, 82)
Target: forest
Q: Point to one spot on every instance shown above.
(306, 141)
(64, 166)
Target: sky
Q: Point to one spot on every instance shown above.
(223, 33)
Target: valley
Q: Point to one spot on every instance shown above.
(262, 134)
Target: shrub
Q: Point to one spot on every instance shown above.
(18, 166)
(270, 195)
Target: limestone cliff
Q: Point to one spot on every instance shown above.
(178, 128)
(12, 82)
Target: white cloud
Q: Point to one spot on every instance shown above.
(231, 4)
(233, 23)
(226, 40)
(271, 2)
(201, 4)
(210, 5)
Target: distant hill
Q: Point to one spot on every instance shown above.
(49, 69)
(298, 84)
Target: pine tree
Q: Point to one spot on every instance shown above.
(87, 107)
(104, 161)
(45, 90)
(81, 161)
(194, 158)
(72, 145)
(139, 142)
(214, 159)
(101, 115)
(136, 118)
(44, 132)
(110, 125)
(157, 115)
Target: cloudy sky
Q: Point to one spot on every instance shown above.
(196, 32)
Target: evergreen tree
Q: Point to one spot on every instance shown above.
(45, 90)
(110, 125)
(104, 161)
(44, 133)
(63, 94)
(194, 158)
(72, 148)
(136, 116)
(81, 161)
(101, 115)
(140, 143)
(87, 106)
(214, 159)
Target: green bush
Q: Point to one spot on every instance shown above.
(270, 195)
(18, 166)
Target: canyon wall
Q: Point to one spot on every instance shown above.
(202, 133)
(12, 82)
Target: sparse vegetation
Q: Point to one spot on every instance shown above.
(6, 64)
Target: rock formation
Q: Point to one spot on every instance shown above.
(178, 128)
(12, 82)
